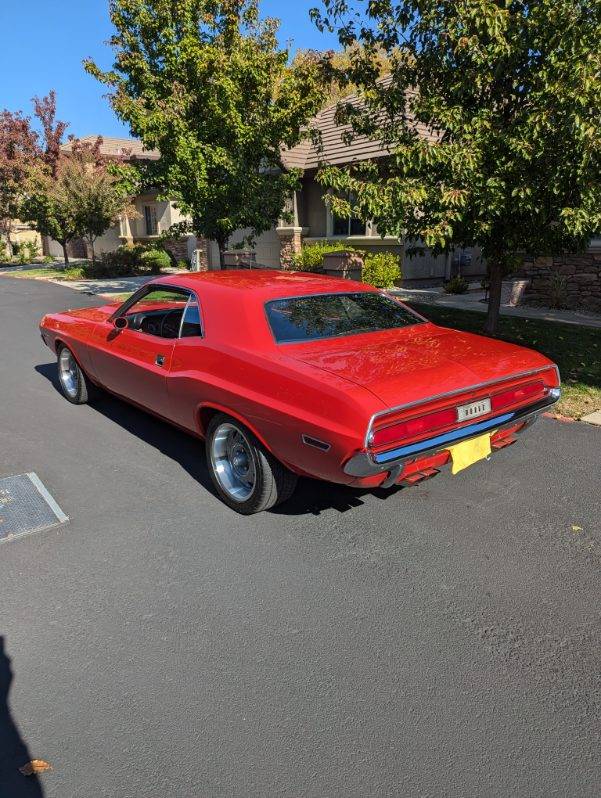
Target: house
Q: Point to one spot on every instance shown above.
(310, 218)
(153, 216)
(568, 280)
(20, 233)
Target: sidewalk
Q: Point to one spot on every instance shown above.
(107, 288)
(114, 286)
(474, 300)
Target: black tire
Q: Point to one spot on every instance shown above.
(272, 483)
(76, 388)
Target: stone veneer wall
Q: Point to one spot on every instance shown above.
(179, 248)
(580, 287)
(291, 241)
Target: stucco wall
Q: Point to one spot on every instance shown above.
(266, 247)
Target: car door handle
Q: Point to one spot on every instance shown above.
(160, 360)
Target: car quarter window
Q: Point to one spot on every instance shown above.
(315, 316)
(191, 324)
(166, 312)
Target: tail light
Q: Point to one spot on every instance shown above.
(521, 393)
(414, 427)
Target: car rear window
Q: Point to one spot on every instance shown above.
(307, 318)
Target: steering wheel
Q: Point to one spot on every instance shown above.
(150, 326)
(169, 329)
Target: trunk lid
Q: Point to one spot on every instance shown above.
(408, 365)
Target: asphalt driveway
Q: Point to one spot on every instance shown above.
(443, 640)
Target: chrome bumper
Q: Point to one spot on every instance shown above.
(366, 464)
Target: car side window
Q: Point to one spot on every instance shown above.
(159, 312)
(191, 325)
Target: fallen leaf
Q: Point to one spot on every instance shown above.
(576, 528)
(35, 766)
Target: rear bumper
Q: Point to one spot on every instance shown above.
(367, 464)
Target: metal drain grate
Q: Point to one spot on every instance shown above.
(26, 507)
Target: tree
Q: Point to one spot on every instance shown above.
(18, 149)
(46, 203)
(94, 193)
(50, 208)
(73, 190)
(335, 69)
(510, 91)
(205, 82)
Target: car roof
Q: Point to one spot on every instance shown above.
(264, 283)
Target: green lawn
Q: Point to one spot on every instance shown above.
(51, 273)
(575, 349)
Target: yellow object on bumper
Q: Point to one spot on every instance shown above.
(467, 453)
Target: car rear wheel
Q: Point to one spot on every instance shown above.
(245, 475)
(75, 386)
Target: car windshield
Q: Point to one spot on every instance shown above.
(307, 318)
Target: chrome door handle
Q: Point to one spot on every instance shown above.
(160, 360)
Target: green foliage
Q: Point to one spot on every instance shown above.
(183, 263)
(205, 83)
(382, 269)
(310, 258)
(334, 65)
(32, 248)
(153, 260)
(456, 285)
(47, 259)
(129, 260)
(510, 96)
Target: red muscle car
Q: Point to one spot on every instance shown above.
(286, 374)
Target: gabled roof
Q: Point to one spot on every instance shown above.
(333, 149)
(119, 147)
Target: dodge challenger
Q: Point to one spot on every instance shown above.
(286, 374)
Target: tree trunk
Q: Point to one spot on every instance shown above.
(221, 242)
(91, 240)
(65, 253)
(495, 273)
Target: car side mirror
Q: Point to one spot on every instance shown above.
(120, 323)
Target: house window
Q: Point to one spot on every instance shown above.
(348, 225)
(150, 217)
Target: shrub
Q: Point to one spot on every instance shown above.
(310, 258)
(127, 261)
(558, 291)
(47, 259)
(382, 269)
(32, 248)
(153, 260)
(456, 285)
(182, 264)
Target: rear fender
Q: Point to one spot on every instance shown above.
(229, 412)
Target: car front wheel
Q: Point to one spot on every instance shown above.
(245, 475)
(75, 386)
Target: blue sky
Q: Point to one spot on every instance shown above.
(45, 41)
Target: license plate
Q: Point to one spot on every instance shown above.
(467, 453)
(473, 410)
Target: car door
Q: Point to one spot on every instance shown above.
(133, 362)
(186, 386)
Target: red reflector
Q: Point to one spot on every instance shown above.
(517, 395)
(414, 426)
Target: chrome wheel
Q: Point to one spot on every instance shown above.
(232, 462)
(67, 372)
